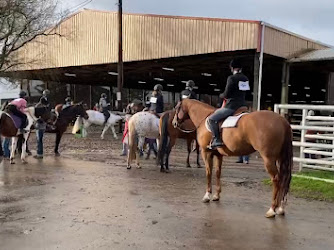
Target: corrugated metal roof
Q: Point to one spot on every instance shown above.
(317, 55)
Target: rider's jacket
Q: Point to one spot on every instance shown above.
(187, 94)
(157, 103)
(235, 91)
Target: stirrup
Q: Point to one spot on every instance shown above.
(214, 148)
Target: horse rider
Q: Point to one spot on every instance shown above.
(18, 106)
(188, 93)
(104, 106)
(157, 100)
(235, 96)
(68, 102)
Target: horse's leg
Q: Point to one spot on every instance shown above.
(58, 137)
(170, 145)
(189, 141)
(112, 127)
(197, 151)
(218, 161)
(24, 147)
(104, 131)
(207, 157)
(270, 165)
(1, 151)
(141, 141)
(12, 152)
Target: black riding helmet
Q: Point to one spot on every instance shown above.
(68, 99)
(22, 94)
(104, 95)
(235, 64)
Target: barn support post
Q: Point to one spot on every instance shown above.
(285, 82)
(120, 57)
(256, 81)
(330, 89)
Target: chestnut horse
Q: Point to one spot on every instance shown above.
(65, 117)
(263, 131)
(168, 136)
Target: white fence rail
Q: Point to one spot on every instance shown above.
(316, 143)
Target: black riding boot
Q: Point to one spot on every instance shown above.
(216, 140)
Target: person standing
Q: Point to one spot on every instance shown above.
(41, 124)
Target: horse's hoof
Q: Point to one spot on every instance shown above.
(12, 161)
(138, 166)
(215, 197)
(167, 171)
(271, 213)
(128, 167)
(162, 170)
(206, 197)
(280, 211)
(57, 154)
(188, 166)
(24, 162)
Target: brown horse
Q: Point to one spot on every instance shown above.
(262, 131)
(66, 116)
(8, 129)
(168, 136)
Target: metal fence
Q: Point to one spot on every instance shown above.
(316, 140)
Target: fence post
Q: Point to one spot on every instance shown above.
(302, 139)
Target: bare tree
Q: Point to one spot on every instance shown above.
(22, 21)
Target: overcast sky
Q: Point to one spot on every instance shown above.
(310, 18)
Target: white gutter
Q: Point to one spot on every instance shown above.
(260, 68)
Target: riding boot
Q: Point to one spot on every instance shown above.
(216, 140)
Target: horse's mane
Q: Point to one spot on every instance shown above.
(205, 105)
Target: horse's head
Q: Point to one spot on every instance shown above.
(181, 114)
(79, 109)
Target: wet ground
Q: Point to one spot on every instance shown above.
(87, 199)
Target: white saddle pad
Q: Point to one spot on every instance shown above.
(230, 122)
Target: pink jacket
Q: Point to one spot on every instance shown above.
(20, 104)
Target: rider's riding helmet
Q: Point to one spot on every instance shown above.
(46, 92)
(103, 95)
(158, 87)
(235, 64)
(22, 94)
(68, 99)
(190, 84)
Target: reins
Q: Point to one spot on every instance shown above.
(196, 127)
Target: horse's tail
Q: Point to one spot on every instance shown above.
(285, 163)
(132, 142)
(163, 137)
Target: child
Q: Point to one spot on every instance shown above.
(125, 139)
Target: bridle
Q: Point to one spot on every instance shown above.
(177, 123)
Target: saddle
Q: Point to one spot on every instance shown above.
(238, 112)
(230, 121)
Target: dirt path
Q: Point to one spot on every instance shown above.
(66, 203)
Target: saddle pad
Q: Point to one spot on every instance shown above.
(230, 122)
(17, 120)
